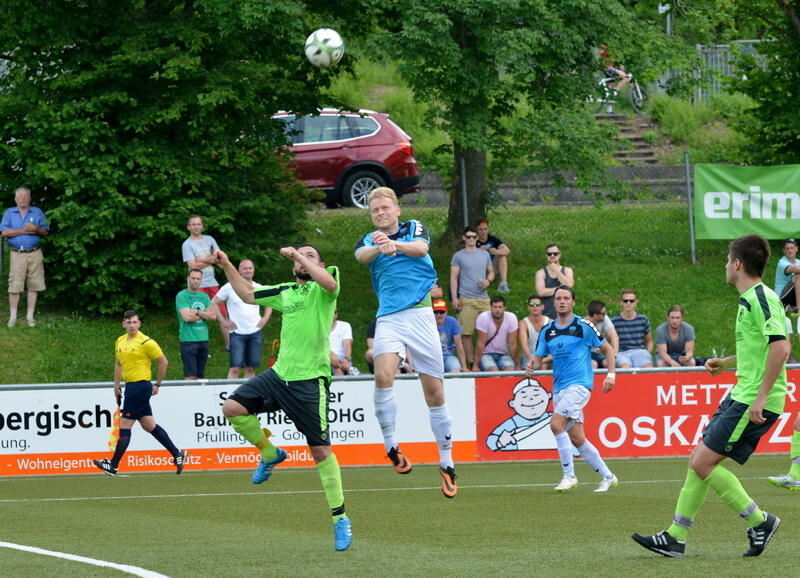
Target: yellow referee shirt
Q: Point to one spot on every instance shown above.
(136, 356)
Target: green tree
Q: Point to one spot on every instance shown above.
(507, 81)
(125, 117)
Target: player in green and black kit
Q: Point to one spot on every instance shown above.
(298, 382)
(746, 414)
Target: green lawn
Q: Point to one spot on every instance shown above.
(506, 520)
(641, 246)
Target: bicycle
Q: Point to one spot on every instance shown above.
(637, 95)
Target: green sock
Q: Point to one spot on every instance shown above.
(730, 489)
(250, 429)
(693, 494)
(795, 454)
(331, 477)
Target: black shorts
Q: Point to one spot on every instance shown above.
(731, 433)
(304, 402)
(136, 404)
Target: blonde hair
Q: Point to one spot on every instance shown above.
(382, 193)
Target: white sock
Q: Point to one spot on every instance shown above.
(442, 426)
(386, 412)
(592, 457)
(565, 453)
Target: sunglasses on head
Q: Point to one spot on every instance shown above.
(553, 253)
(535, 303)
(470, 236)
(629, 300)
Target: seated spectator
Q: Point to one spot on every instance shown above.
(529, 328)
(633, 329)
(450, 336)
(497, 338)
(597, 314)
(499, 252)
(551, 277)
(341, 340)
(403, 367)
(787, 278)
(675, 341)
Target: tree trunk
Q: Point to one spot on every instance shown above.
(474, 169)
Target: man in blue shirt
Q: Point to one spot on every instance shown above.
(569, 339)
(403, 275)
(24, 226)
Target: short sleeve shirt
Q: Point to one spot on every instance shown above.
(13, 219)
(193, 330)
(446, 333)
(499, 342)
(472, 267)
(570, 347)
(340, 332)
(781, 276)
(631, 332)
(760, 319)
(491, 242)
(245, 315)
(685, 333)
(136, 356)
(307, 319)
(192, 249)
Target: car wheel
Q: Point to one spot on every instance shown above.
(358, 186)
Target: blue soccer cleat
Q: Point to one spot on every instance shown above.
(264, 469)
(342, 534)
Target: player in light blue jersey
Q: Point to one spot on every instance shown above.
(402, 275)
(570, 339)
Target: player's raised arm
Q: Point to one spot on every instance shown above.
(242, 287)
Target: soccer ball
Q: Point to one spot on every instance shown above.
(324, 48)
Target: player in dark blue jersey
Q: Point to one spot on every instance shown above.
(569, 339)
(403, 275)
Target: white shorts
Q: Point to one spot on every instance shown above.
(414, 329)
(570, 402)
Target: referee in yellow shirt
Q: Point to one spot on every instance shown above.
(135, 353)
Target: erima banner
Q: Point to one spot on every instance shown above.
(733, 201)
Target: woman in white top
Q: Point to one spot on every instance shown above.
(529, 328)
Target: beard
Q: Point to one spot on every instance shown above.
(302, 276)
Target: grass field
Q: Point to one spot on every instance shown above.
(506, 520)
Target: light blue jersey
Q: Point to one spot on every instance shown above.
(570, 347)
(401, 281)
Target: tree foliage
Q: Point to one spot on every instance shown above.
(125, 117)
(508, 80)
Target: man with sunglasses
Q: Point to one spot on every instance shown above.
(633, 329)
(529, 329)
(551, 277)
(471, 273)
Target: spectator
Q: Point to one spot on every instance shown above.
(497, 338)
(597, 314)
(436, 291)
(341, 340)
(199, 252)
(450, 336)
(194, 311)
(499, 252)
(675, 341)
(786, 278)
(551, 277)
(24, 226)
(529, 328)
(471, 273)
(633, 329)
(243, 325)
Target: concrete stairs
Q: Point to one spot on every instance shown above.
(633, 149)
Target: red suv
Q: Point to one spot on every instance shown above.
(348, 154)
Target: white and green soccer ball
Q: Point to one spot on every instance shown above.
(324, 48)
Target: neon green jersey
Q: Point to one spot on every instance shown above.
(306, 325)
(761, 318)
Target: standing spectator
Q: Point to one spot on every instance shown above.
(135, 354)
(299, 382)
(598, 315)
(244, 324)
(529, 329)
(450, 336)
(24, 226)
(497, 338)
(499, 252)
(341, 342)
(199, 252)
(675, 341)
(787, 278)
(633, 329)
(569, 340)
(471, 273)
(194, 311)
(403, 275)
(746, 413)
(551, 277)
